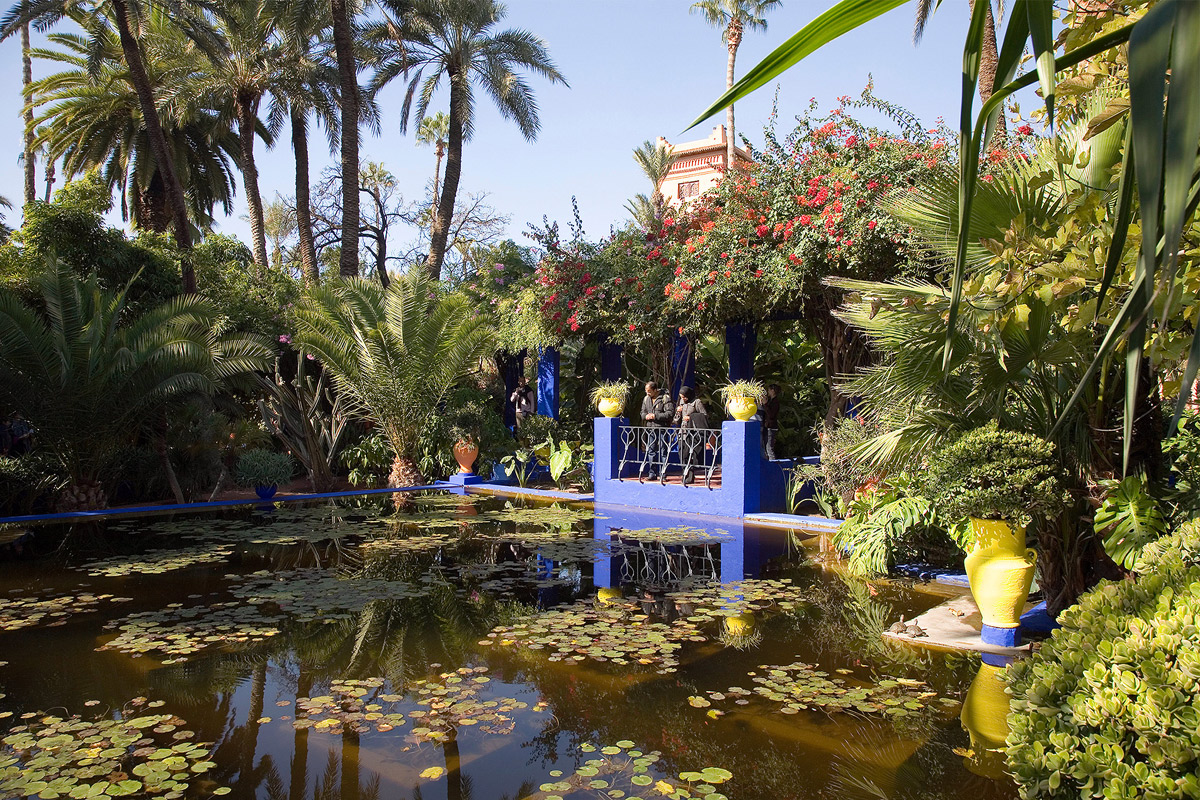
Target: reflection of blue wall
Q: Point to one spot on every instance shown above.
(742, 550)
(749, 483)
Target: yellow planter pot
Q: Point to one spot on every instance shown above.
(610, 407)
(985, 717)
(742, 408)
(1000, 571)
(741, 625)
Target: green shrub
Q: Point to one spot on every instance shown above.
(260, 467)
(23, 481)
(469, 412)
(1108, 706)
(993, 474)
(844, 472)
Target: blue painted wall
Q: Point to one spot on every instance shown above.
(547, 382)
(612, 365)
(741, 339)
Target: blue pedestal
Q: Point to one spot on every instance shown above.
(1001, 637)
(547, 382)
(741, 339)
(1038, 620)
(464, 479)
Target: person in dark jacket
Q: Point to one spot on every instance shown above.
(770, 427)
(657, 414)
(522, 399)
(692, 420)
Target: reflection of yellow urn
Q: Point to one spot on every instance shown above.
(741, 624)
(610, 406)
(742, 408)
(607, 595)
(1000, 570)
(985, 716)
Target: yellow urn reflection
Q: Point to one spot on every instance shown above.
(1000, 571)
(742, 408)
(609, 595)
(985, 717)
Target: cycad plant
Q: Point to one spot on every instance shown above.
(395, 353)
(88, 375)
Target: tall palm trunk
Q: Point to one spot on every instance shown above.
(988, 58)
(49, 178)
(308, 251)
(299, 767)
(445, 211)
(158, 140)
(733, 39)
(247, 115)
(26, 81)
(439, 150)
(343, 44)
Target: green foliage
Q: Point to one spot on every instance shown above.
(844, 472)
(1130, 517)
(520, 464)
(88, 374)
(1182, 545)
(259, 467)
(994, 474)
(71, 231)
(368, 460)
(610, 390)
(468, 413)
(805, 475)
(396, 353)
(754, 390)
(251, 298)
(885, 527)
(567, 461)
(1106, 707)
(23, 481)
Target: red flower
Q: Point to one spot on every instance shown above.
(728, 274)
(805, 219)
(1025, 130)
(871, 225)
(851, 141)
(761, 231)
(632, 326)
(758, 273)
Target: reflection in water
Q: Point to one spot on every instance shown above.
(449, 575)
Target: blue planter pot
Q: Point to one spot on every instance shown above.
(266, 492)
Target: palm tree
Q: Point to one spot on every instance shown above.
(30, 148)
(433, 130)
(395, 352)
(89, 116)
(988, 55)
(733, 18)
(342, 12)
(129, 17)
(306, 85)
(655, 160)
(87, 375)
(239, 76)
(457, 40)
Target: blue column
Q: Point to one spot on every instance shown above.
(741, 338)
(511, 367)
(683, 362)
(612, 368)
(606, 455)
(741, 463)
(547, 382)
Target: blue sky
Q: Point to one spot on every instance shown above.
(637, 69)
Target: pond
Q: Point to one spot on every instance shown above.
(471, 648)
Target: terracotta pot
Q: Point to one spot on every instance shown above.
(610, 407)
(1000, 571)
(742, 408)
(465, 454)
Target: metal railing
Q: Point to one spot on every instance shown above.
(658, 451)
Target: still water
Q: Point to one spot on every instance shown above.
(469, 649)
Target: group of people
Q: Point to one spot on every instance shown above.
(16, 436)
(688, 414)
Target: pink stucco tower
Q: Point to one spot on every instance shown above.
(698, 166)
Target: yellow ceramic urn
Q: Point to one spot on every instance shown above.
(610, 406)
(985, 716)
(742, 408)
(1000, 571)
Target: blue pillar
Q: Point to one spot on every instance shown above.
(683, 362)
(607, 442)
(612, 368)
(511, 367)
(741, 463)
(741, 338)
(547, 382)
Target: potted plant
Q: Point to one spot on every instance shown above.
(742, 398)
(465, 449)
(1000, 481)
(264, 470)
(610, 397)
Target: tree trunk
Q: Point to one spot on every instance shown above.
(26, 81)
(150, 208)
(247, 115)
(988, 58)
(405, 472)
(298, 784)
(49, 178)
(343, 43)
(304, 229)
(445, 212)
(350, 777)
(164, 458)
(733, 40)
(439, 151)
(158, 140)
(843, 349)
(381, 260)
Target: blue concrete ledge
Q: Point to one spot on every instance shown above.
(72, 515)
(1038, 620)
(926, 572)
(516, 491)
(795, 521)
(953, 579)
